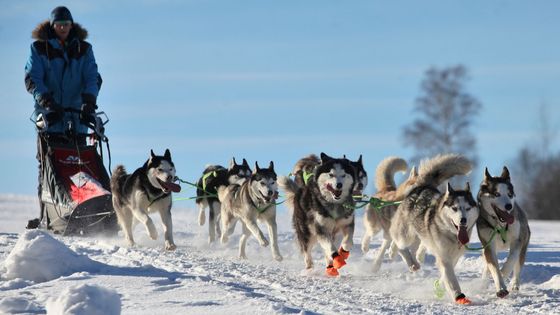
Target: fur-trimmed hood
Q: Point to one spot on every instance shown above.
(44, 31)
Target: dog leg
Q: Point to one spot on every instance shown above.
(226, 220)
(380, 254)
(167, 229)
(142, 217)
(328, 247)
(393, 250)
(125, 221)
(201, 213)
(212, 222)
(410, 260)
(243, 242)
(273, 235)
(257, 233)
(365, 241)
(450, 280)
(421, 253)
(347, 237)
(517, 267)
(492, 266)
(217, 215)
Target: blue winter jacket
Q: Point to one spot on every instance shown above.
(67, 73)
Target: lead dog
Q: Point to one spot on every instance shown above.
(145, 191)
(323, 208)
(441, 222)
(502, 225)
(248, 202)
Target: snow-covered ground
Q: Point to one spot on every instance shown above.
(44, 273)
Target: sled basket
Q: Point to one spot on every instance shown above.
(76, 193)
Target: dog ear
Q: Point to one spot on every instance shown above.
(232, 163)
(486, 174)
(325, 158)
(468, 188)
(167, 155)
(257, 168)
(505, 173)
(360, 160)
(245, 162)
(152, 155)
(449, 188)
(271, 166)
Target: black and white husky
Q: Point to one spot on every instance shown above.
(249, 202)
(145, 191)
(321, 209)
(502, 225)
(441, 222)
(213, 177)
(360, 176)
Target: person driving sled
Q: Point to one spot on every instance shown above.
(61, 74)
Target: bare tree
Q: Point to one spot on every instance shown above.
(446, 112)
(537, 172)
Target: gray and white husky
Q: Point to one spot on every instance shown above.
(213, 177)
(323, 208)
(502, 225)
(145, 191)
(375, 219)
(249, 202)
(441, 222)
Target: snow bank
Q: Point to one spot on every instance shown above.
(38, 257)
(14, 305)
(85, 299)
(553, 283)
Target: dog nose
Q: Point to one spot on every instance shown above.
(360, 186)
(509, 206)
(270, 192)
(338, 185)
(463, 221)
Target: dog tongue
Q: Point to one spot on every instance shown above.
(506, 216)
(171, 186)
(463, 235)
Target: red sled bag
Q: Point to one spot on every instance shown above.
(76, 193)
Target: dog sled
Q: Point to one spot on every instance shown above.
(74, 191)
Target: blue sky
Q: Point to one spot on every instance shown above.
(276, 80)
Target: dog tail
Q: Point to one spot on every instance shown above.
(290, 188)
(307, 163)
(117, 181)
(385, 172)
(435, 171)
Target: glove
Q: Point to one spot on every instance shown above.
(55, 111)
(88, 108)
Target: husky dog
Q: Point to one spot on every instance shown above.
(376, 220)
(442, 222)
(145, 191)
(303, 170)
(502, 225)
(360, 176)
(207, 192)
(248, 202)
(321, 209)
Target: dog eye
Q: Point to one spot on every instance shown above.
(510, 195)
(263, 184)
(497, 194)
(331, 175)
(454, 208)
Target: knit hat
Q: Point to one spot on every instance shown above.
(61, 14)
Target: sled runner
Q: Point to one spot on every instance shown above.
(75, 193)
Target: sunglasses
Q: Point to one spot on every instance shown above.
(62, 23)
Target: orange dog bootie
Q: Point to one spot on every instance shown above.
(331, 271)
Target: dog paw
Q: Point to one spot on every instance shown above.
(243, 256)
(502, 293)
(332, 271)
(344, 253)
(365, 248)
(278, 257)
(224, 239)
(339, 262)
(170, 246)
(264, 242)
(414, 267)
(462, 299)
